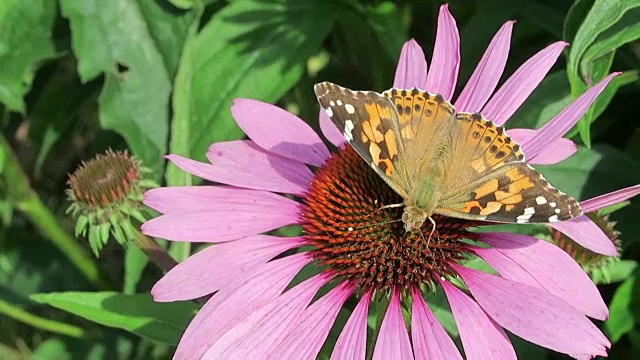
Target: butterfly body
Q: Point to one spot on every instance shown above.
(442, 162)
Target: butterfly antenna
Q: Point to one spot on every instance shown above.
(374, 224)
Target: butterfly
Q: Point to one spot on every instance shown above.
(441, 161)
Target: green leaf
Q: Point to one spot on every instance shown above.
(251, 48)
(607, 26)
(135, 262)
(112, 37)
(51, 349)
(623, 309)
(163, 322)
(615, 271)
(25, 42)
(603, 100)
(190, 4)
(438, 303)
(388, 24)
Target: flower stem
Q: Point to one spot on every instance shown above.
(154, 252)
(37, 322)
(27, 201)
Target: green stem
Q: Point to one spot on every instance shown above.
(26, 200)
(154, 252)
(39, 323)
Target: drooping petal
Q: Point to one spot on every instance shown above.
(233, 304)
(586, 233)
(602, 201)
(487, 73)
(445, 61)
(393, 339)
(243, 163)
(481, 337)
(266, 211)
(564, 121)
(430, 339)
(535, 262)
(560, 149)
(271, 173)
(313, 326)
(352, 342)
(534, 314)
(521, 84)
(412, 67)
(215, 267)
(279, 131)
(260, 333)
(329, 129)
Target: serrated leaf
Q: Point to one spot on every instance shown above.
(25, 42)
(163, 322)
(252, 48)
(112, 38)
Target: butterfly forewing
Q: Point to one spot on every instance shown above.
(369, 123)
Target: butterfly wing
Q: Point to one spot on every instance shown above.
(491, 181)
(369, 123)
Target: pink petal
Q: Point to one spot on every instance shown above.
(534, 314)
(605, 200)
(184, 199)
(558, 150)
(329, 129)
(586, 233)
(481, 337)
(563, 122)
(233, 304)
(313, 326)
(217, 266)
(445, 61)
(260, 333)
(244, 164)
(521, 84)
(412, 67)
(487, 74)
(430, 339)
(536, 262)
(352, 342)
(279, 131)
(393, 339)
(225, 222)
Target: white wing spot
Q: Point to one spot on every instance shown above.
(522, 221)
(332, 103)
(541, 200)
(339, 102)
(554, 218)
(553, 204)
(529, 211)
(348, 127)
(557, 211)
(329, 112)
(350, 109)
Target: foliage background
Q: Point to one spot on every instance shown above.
(158, 76)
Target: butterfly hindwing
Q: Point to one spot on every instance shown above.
(492, 181)
(370, 124)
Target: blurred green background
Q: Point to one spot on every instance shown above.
(158, 76)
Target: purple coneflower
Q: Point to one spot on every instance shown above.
(538, 292)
